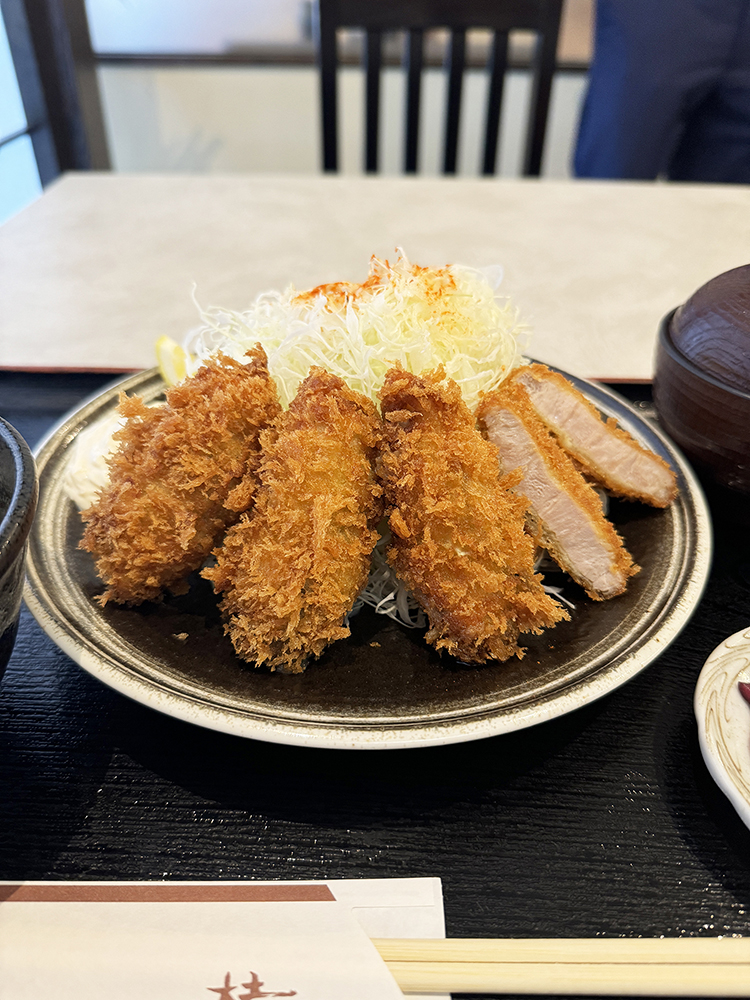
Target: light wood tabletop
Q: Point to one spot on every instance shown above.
(103, 264)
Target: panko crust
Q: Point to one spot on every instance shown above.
(290, 571)
(459, 542)
(183, 472)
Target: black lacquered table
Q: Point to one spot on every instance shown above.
(604, 822)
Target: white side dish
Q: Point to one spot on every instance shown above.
(724, 719)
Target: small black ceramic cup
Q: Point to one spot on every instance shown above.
(18, 496)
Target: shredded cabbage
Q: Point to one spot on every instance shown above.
(419, 316)
(86, 470)
(385, 593)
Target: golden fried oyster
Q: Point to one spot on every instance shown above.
(184, 471)
(459, 542)
(290, 571)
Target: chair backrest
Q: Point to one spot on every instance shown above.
(458, 16)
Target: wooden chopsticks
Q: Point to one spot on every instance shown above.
(702, 967)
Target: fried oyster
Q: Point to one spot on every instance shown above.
(459, 542)
(182, 473)
(290, 571)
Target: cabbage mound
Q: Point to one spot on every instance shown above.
(418, 316)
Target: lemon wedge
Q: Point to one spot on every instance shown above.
(171, 359)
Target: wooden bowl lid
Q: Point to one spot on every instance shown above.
(712, 329)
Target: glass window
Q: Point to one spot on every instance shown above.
(19, 177)
(12, 117)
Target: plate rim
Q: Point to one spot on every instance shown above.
(355, 736)
(715, 701)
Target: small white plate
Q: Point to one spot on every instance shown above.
(724, 719)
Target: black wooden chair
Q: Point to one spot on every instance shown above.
(415, 17)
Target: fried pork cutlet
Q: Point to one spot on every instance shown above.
(566, 513)
(291, 570)
(459, 542)
(183, 472)
(606, 453)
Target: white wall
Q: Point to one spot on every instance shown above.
(192, 25)
(265, 118)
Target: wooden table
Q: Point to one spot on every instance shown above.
(102, 265)
(603, 822)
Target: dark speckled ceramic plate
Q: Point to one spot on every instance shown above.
(383, 687)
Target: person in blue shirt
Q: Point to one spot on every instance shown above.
(669, 92)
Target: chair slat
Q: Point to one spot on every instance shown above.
(498, 63)
(456, 61)
(543, 68)
(413, 66)
(325, 37)
(373, 49)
